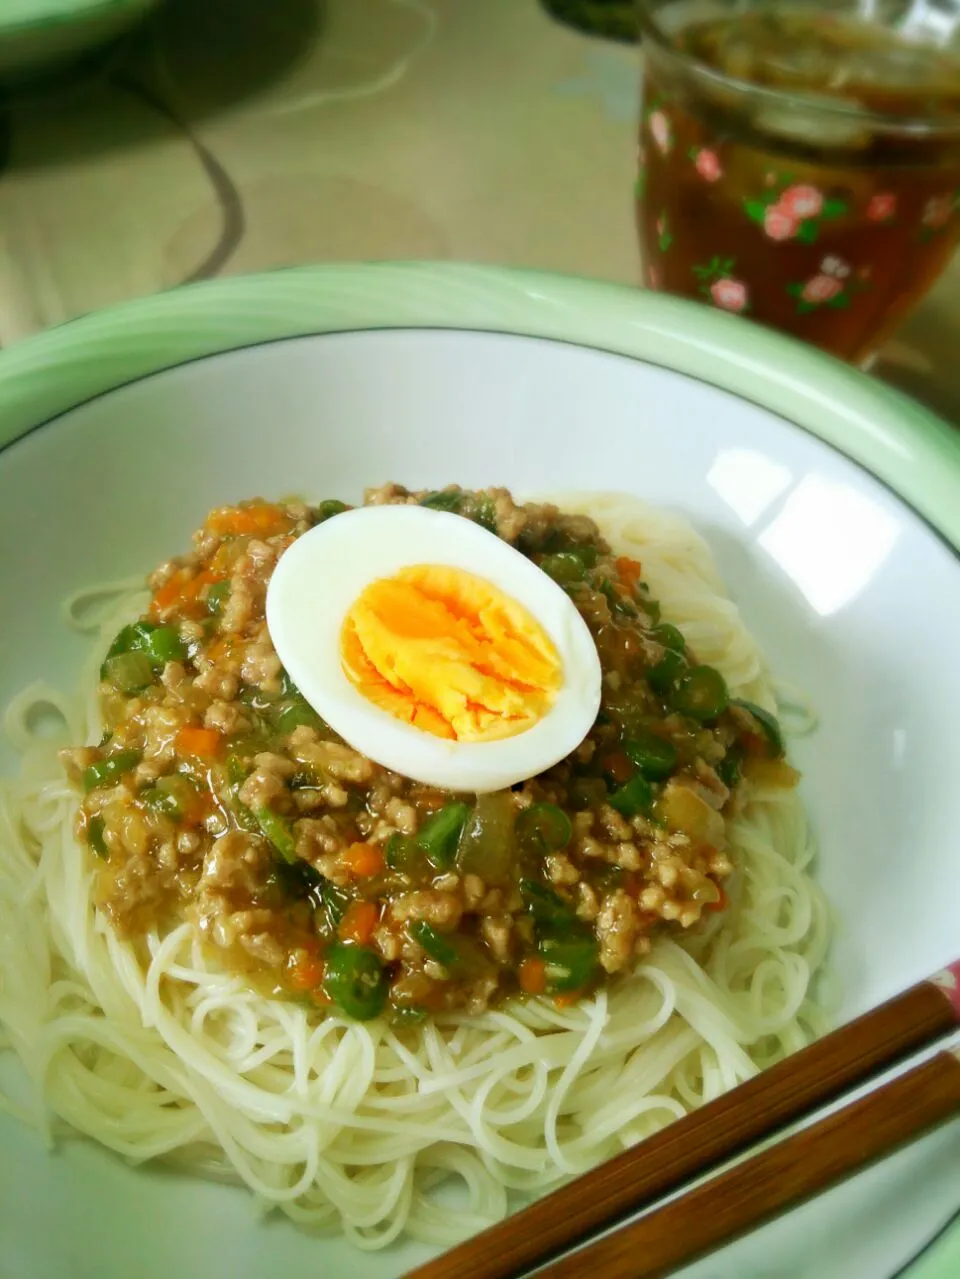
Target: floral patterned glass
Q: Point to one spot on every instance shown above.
(799, 164)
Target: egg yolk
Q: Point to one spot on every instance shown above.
(451, 654)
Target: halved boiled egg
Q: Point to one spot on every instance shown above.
(433, 647)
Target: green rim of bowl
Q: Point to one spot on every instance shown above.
(909, 449)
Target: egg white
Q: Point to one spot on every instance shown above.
(322, 574)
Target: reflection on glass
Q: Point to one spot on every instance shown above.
(830, 540)
(748, 481)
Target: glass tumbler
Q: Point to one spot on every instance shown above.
(800, 163)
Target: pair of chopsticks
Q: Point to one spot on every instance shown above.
(756, 1189)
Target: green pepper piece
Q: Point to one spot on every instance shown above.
(547, 907)
(544, 827)
(159, 643)
(217, 597)
(667, 671)
(436, 946)
(654, 756)
(279, 832)
(634, 796)
(95, 839)
(587, 792)
(564, 567)
(701, 693)
(439, 834)
(570, 962)
(769, 724)
(355, 980)
(327, 509)
(106, 772)
(669, 637)
(128, 672)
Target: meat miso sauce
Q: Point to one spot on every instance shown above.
(219, 797)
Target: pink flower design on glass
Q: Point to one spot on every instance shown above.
(821, 288)
(801, 201)
(731, 295)
(708, 165)
(937, 210)
(654, 276)
(661, 224)
(660, 130)
(778, 224)
(882, 207)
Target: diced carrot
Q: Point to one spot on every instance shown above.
(363, 860)
(182, 592)
(260, 519)
(306, 973)
(620, 767)
(566, 998)
(359, 922)
(201, 743)
(532, 976)
(629, 570)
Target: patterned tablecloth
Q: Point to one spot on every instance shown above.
(228, 136)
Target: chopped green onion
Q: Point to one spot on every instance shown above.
(335, 902)
(95, 838)
(293, 713)
(669, 637)
(436, 946)
(617, 602)
(564, 567)
(667, 671)
(547, 907)
(769, 724)
(404, 854)
(330, 508)
(487, 515)
(443, 500)
(128, 672)
(634, 796)
(544, 827)
(355, 980)
(701, 693)
(217, 597)
(279, 832)
(439, 834)
(587, 792)
(570, 963)
(106, 772)
(728, 770)
(654, 756)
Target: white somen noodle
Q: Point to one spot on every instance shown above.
(352, 1126)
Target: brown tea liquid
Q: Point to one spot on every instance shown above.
(801, 212)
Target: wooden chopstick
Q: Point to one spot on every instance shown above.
(782, 1177)
(721, 1130)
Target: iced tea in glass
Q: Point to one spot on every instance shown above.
(800, 164)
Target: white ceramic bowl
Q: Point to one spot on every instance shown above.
(124, 428)
(38, 34)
